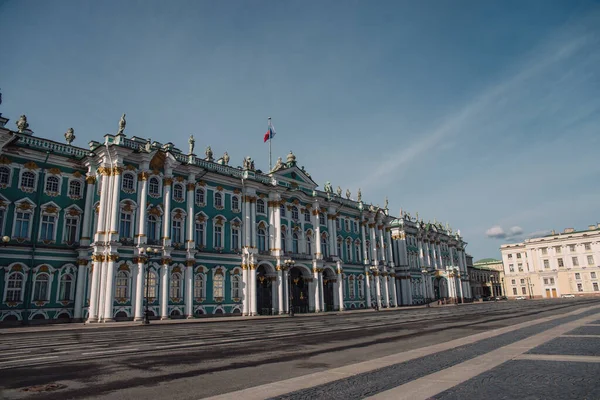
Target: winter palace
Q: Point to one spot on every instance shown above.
(130, 227)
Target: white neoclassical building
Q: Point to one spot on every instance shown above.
(566, 263)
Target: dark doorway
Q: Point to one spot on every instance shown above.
(328, 282)
(436, 288)
(299, 291)
(264, 294)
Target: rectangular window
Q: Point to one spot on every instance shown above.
(546, 263)
(579, 287)
(522, 281)
(572, 248)
(71, 230)
(590, 260)
(520, 265)
(235, 239)
(347, 225)
(544, 251)
(560, 262)
(511, 267)
(552, 281)
(588, 246)
(47, 232)
(200, 234)
(518, 255)
(176, 232)
(595, 284)
(351, 288)
(125, 230)
(577, 275)
(575, 261)
(514, 281)
(321, 219)
(510, 256)
(22, 225)
(515, 291)
(337, 224)
(361, 289)
(558, 249)
(593, 275)
(524, 290)
(218, 238)
(306, 216)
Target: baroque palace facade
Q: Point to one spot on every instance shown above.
(99, 234)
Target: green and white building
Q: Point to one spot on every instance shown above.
(97, 234)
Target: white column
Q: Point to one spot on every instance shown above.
(271, 233)
(382, 244)
(386, 293)
(394, 301)
(277, 227)
(367, 287)
(79, 300)
(143, 205)
(253, 310)
(139, 290)
(164, 292)
(167, 214)
(253, 234)
(110, 289)
(373, 244)
(94, 287)
(317, 226)
(189, 291)
(280, 284)
(114, 225)
(378, 289)
(364, 243)
(245, 289)
(286, 292)
(340, 286)
(317, 292)
(88, 211)
(191, 192)
(102, 226)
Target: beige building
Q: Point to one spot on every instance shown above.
(486, 277)
(554, 265)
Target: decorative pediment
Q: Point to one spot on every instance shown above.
(295, 176)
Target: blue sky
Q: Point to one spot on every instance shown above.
(483, 114)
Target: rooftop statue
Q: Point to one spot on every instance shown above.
(359, 196)
(386, 203)
(278, 164)
(192, 143)
(328, 188)
(348, 194)
(226, 158)
(339, 191)
(209, 154)
(22, 123)
(122, 123)
(70, 135)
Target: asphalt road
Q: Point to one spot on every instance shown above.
(207, 358)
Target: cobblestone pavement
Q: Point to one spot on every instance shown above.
(197, 360)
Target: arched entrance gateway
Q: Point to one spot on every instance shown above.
(329, 280)
(299, 292)
(440, 288)
(264, 291)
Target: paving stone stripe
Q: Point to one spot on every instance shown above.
(556, 357)
(387, 372)
(574, 346)
(437, 383)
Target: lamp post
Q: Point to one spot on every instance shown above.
(289, 263)
(375, 270)
(5, 240)
(425, 274)
(151, 253)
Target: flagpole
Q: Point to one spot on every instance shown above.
(269, 130)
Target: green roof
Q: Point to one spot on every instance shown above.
(487, 260)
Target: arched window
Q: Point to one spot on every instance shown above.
(236, 287)
(27, 180)
(128, 182)
(154, 186)
(309, 243)
(175, 286)
(218, 285)
(177, 230)
(122, 285)
(235, 203)
(199, 196)
(294, 212)
(4, 175)
(262, 239)
(52, 184)
(125, 226)
(65, 292)
(295, 243)
(324, 249)
(40, 289)
(14, 289)
(199, 287)
(75, 189)
(152, 285)
(283, 244)
(178, 192)
(357, 255)
(235, 237)
(260, 206)
(339, 247)
(351, 286)
(218, 200)
(218, 236)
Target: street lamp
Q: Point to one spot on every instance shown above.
(5, 240)
(151, 253)
(289, 263)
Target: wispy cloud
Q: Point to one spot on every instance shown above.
(483, 109)
(496, 232)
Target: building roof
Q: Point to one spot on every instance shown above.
(487, 261)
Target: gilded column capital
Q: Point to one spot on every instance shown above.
(105, 171)
(167, 181)
(117, 170)
(244, 266)
(191, 187)
(252, 266)
(190, 263)
(82, 261)
(143, 176)
(90, 179)
(165, 261)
